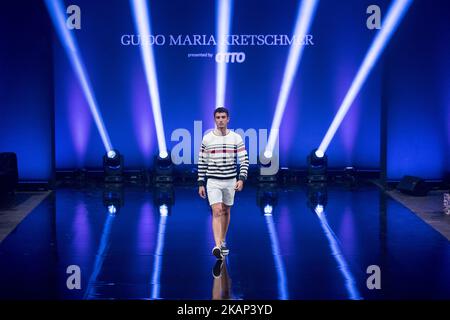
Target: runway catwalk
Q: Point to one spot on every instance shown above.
(133, 249)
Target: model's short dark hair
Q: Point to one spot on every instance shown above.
(221, 110)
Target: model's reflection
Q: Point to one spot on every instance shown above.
(222, 281)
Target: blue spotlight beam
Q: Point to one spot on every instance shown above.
(391, 22)
(350, 282)
(304, 19)
(281, 271)
(142, 22)
(156, 282)
(57, 14)
(100, 257)
(223, 29)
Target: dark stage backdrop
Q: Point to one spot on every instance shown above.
(413, 78)
(418, 93)
(26, 87)
(187, 85)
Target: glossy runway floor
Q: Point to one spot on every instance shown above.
(295, 253)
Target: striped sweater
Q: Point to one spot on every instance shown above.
(218, 157)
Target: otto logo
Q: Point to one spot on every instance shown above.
(230, 57)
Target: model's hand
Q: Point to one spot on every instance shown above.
(239, 185)
(202, 192)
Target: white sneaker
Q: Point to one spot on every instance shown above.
(217, 253)
(224, 249)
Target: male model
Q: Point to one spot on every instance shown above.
(217, 168)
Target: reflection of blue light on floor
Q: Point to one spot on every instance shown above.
(137, 256)
(350, 283)
(279, 265)
(156, 285)
(100, 258)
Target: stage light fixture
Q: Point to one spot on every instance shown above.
(268, 154)
(57, 13)
(317, 167)
(304, 19)
(319, 154)
(267, 198)
(268, 209)
(317, 196)
(163, 210)
(113, 198)
(111, 154)
(319, 209)
(391, 22)
(163, 170)
(164, 198)
(113, 167)
(112, 209)
(223, 23)
(142, 23)
(264, 177)
(163, 155)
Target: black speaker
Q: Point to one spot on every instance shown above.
(9, 173)
(413, 186)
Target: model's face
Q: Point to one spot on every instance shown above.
(221, 120)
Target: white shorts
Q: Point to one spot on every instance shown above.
(221, 191)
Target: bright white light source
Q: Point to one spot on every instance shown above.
(268, 154)
(163, 210)
(163, 154)
(112, 209)
(319, 154)
(319, 209)
(111, 154)
(268, 210)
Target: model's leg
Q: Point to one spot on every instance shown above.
(217, 284)
(216, 291)
(225, 283)
(228, 195)
(225, 221)
(217, 214)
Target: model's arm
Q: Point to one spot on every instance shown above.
(243, 160)
(202, 166)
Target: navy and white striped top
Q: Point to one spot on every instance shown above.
(218, 157)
